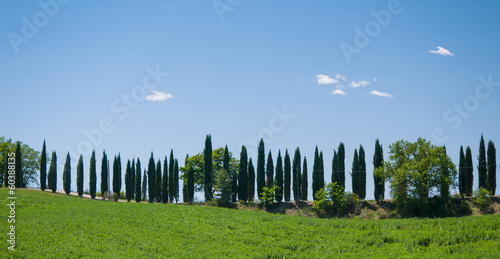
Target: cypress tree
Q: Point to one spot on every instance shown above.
(151, 179)
(158, 182)
(144, 184)
(176, 181)
(233, 175)
(190, 185)
(444, 183)
(53, 172)
(279, 178)
(19, 182)
(92, 176)
(341, 169)
(164, 191)
(207, 153)
(243, 175)
(270, 171)
(251, 181)
(469, 172)
(138, 177)
(321, 174)
(315, 173)
(171, 177)
(304, 180)
(355, 173)
(492, 168)
(287, 171)
(261, 161)
(117, 175)
(461, 172)
(104, 173)
(296, 175)
(67, 175)
(378, 160)
(132, 178)
(43, 168)
(481, 165)
(79, 176)
(335, 168)
(362, 173)
(128, 181)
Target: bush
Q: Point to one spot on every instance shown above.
(482, 199)
(268, 195)
(351, 202)
(330, 201)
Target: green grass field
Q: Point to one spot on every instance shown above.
(58, 226)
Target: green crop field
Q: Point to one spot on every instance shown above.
(60, 226)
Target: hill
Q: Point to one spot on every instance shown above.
(57, 225)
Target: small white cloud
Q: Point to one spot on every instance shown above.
(381, 94)
(338, 91)
(325, 80)
(441, 51)
(362, 83)
(340, 76)
(159, 96)
(374, 79)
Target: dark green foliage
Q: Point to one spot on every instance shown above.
(117, 176)
(190, 185)
(79, 176)
(341, 165)
(132, 179)
(362, 173)
(176, 181)
(233, 175)
(335, 168)
(287, 171)
(261, 161)
(171, 177)
(128, 181)
(92, 176)
(207, 153)
(251, 181)
(158, 183)
(315, 173)
(104, 173)
(144, 184)
(43, 168)
(378, 160)
(151, 179)
(279, 178)
(270, 171)
(222, 189)
(355, 172)
(19, 169)
(67, 175)
(469, 168)
(330, 201)
(462, 172)
(492, 168)
(296, 185)
(321, 174)
(52, 177)
(444, 180)
(243, 175)
(304, 183)
(481, 164)
(138, 178)
(164, 191)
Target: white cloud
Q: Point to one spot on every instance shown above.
(441, 51)
(381, 94)
(362, 83)
(159, 96)
(325, 80)
(338, 91)
(340, 76)
(374, 79)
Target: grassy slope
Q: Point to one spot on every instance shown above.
(59, 226)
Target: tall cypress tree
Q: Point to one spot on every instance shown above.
(67, 175)
(43, 168)
(321, 174)
(158, 182)
(233, 175)
(176, 181)
(207, 153)
(138, 177)
(492, 168)
(132, 178)
(171, 177)
(287, 171)
(243, 175)
(481, 165)
(315, 173)
(251, 181)
(444, 180)
(151, 179)
(164, 191)
(190, 184)
(261, 161)
(335, 168)
(144, 185)
(355, 173)
(378, 160)
(270, 171)
(279, 178)
(79, 176)
(104, 173)
(462, 172)
(117, 175)
(128, 181)
(470, 170)
(52, 177)
(341, 169)
(19, 182)
(362, 173)
(304, 186)
(296, 175)
(92, 176)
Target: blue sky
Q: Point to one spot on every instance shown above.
(241, 70)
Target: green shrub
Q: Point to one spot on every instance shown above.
(482, 199)
(330, 201)
(267, 195)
